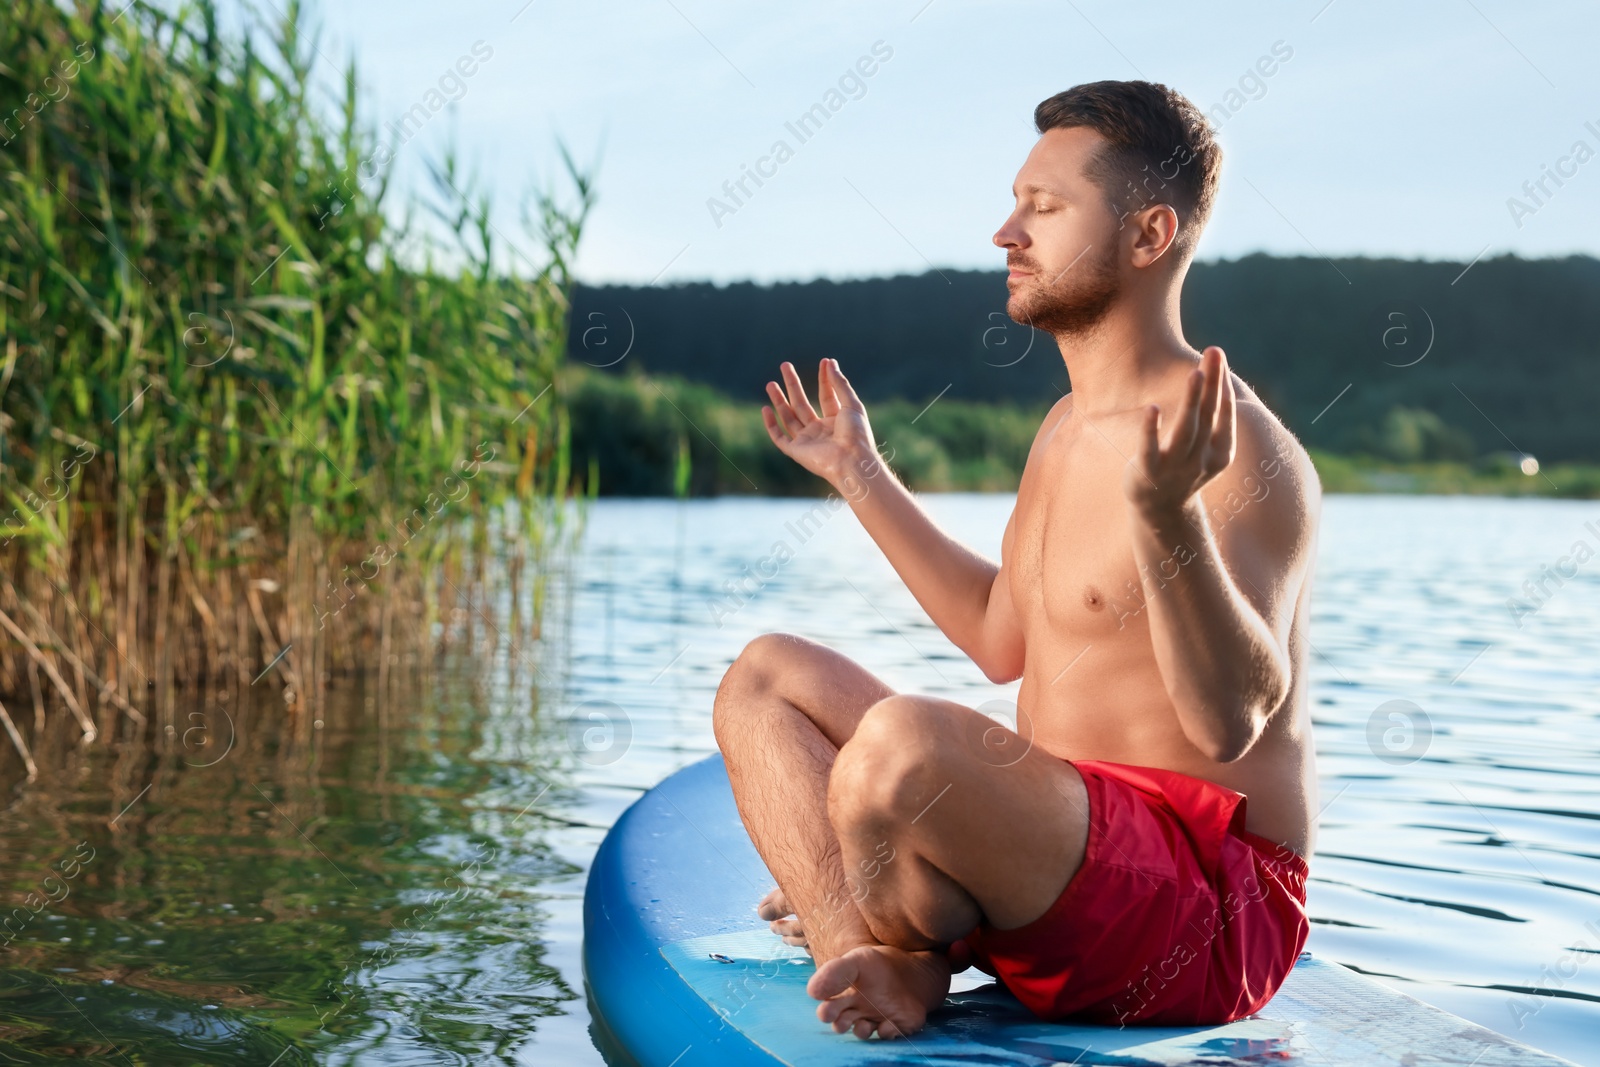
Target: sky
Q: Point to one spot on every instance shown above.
(1382, 129)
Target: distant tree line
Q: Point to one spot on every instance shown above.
(1401, 360)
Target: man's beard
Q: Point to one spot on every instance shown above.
(1071, 303)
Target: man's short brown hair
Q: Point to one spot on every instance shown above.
(1161, 148)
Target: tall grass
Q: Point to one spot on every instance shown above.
(246, 419)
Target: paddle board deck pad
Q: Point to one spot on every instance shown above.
(682, 973)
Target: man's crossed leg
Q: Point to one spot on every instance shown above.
(890, 824)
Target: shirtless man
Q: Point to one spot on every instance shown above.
(1152, 594)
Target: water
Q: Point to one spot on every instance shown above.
(316, 899)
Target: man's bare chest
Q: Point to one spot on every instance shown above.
(1072, 566)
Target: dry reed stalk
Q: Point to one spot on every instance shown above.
(17, 741)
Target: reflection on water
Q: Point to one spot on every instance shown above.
(375, 894)
(405, 886)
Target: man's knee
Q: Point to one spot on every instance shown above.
(882, 773)
(755, 672)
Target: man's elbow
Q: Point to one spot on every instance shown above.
(1231, 745)
(1000, 669)
(1239, 730)
(1000, 675)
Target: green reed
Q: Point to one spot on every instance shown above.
(242, 409)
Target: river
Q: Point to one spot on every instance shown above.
(404, 883)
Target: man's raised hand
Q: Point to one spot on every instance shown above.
(830, 445)
(1162, 477)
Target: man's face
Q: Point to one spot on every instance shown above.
(1061, 239)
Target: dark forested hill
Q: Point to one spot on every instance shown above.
(1438, 364)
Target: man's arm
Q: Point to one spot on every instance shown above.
(965, 594)
(1221, 606)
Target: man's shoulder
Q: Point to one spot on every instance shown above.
(1051, 420)
(1266, 449)
(1057, 412)
(1264, 509)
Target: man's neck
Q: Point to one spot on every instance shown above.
(1114, 365)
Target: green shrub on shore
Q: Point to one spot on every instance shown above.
(238, 428)
(628, 431)
(1493, 475)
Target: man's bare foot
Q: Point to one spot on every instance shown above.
(880, 988)
(785, 923)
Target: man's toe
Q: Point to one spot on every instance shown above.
(774, 906)
(833, 978)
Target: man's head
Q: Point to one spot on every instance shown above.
(1122, 179)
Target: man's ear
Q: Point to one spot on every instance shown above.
(1154, 228)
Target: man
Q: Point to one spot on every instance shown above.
(1152, 594)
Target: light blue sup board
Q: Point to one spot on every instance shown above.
(682, 973)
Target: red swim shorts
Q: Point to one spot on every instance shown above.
(1178, 915)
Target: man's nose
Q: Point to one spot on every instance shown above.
(1010, 235)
